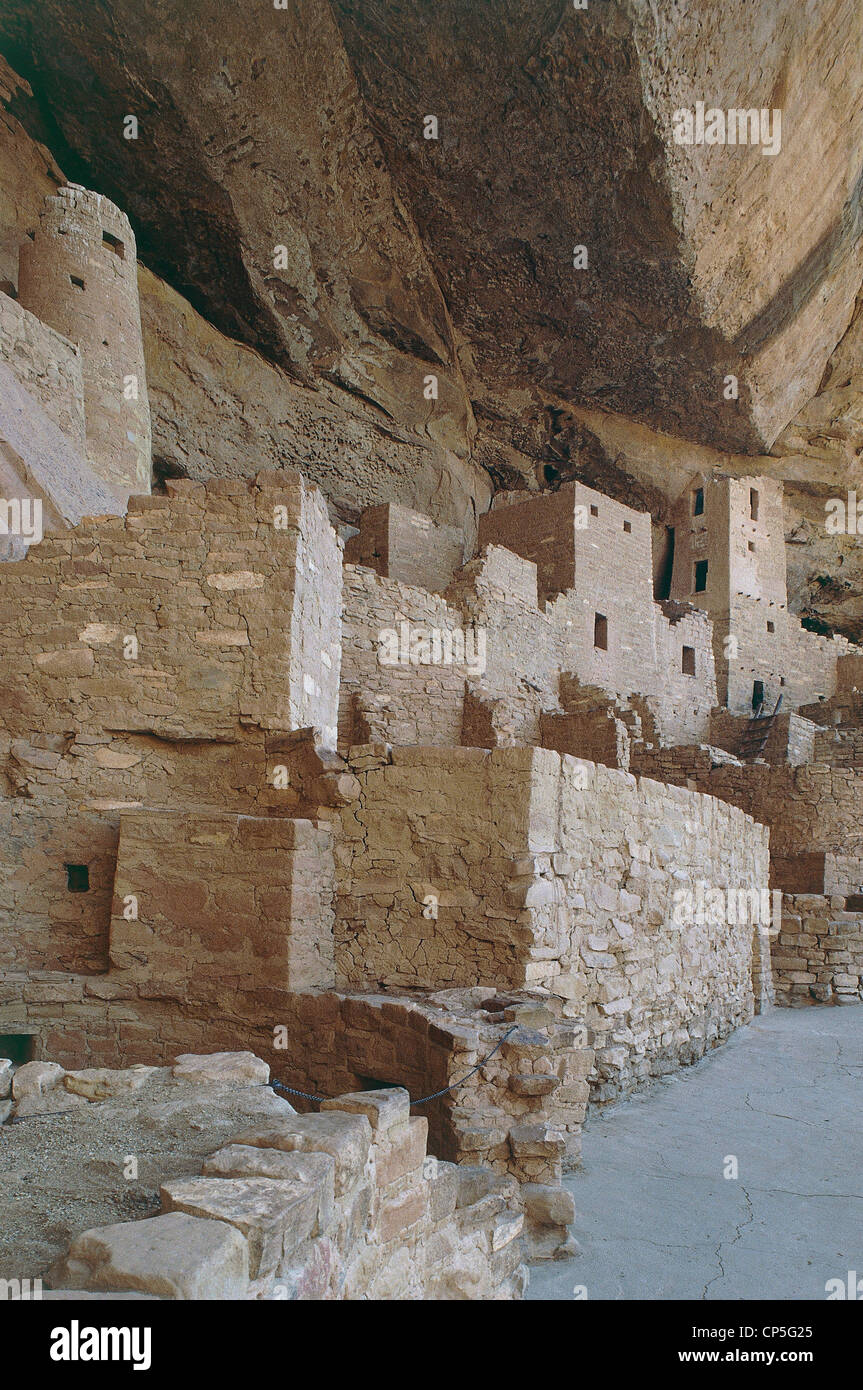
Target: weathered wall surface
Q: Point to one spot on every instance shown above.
(341, 1205)
(44, 926)
(222, 902)
(79, 275)
(818, 954)
(546, 871)
(236, 617)
(47, 364)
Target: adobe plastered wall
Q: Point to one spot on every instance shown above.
(460, 867)
(47, 364)
(226, 902)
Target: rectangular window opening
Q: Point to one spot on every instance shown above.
(771, 627)
(77, 281)
(757, 694)
(18, 1047)
(750, 545)
(78, 878)
(627, 526)
(700, 576)
(688, 661)
(753, 503)
(114, 243)
(600, 632)
(698, 502)
(594, 510)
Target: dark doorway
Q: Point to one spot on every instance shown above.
(757, 694)
(662, 580)
(600, 632)
(18, 1047)
(700, 576)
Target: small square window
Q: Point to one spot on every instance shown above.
(627, 526)
(688, 661)
(700, 576)
(600, 632)
(77, 281)
(750, 545)
(114, 243)
(698, 502)
(78, 878)
(771, 627)
(594, 510)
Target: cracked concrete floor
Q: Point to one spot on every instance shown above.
(656, 1219)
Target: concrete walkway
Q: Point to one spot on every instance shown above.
(656, 1219)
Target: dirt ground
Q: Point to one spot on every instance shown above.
(65, 1173)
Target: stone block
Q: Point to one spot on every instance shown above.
(221, 1068)
(100, 1083)
(383, 1109)
(401, 1151)
(35, 1078)
(347, 1138)
(172, 1256)
(402, 1212)
(274, 1216)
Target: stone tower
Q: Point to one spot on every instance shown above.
(729, 559)
(78, 274)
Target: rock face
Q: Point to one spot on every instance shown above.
(303, 128)
(313, 258)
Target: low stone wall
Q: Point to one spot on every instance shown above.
(818, 954)
(344, 1204)
(460, 866)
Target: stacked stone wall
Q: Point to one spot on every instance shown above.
(818, 953)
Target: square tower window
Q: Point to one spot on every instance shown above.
(750, 545)
(114, 244)
(771, 627)
(600, 632)
(753, 503)
(698, 502)
(594, 510)
(77, 281)
(700, 576)
(78, 878)
(627, 526)
(688, 667)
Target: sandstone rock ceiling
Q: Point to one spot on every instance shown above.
(303, 127)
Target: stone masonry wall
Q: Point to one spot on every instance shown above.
(548, 872)
(235, 618)
(47, 364)
(344, 1204)
(818, 954)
